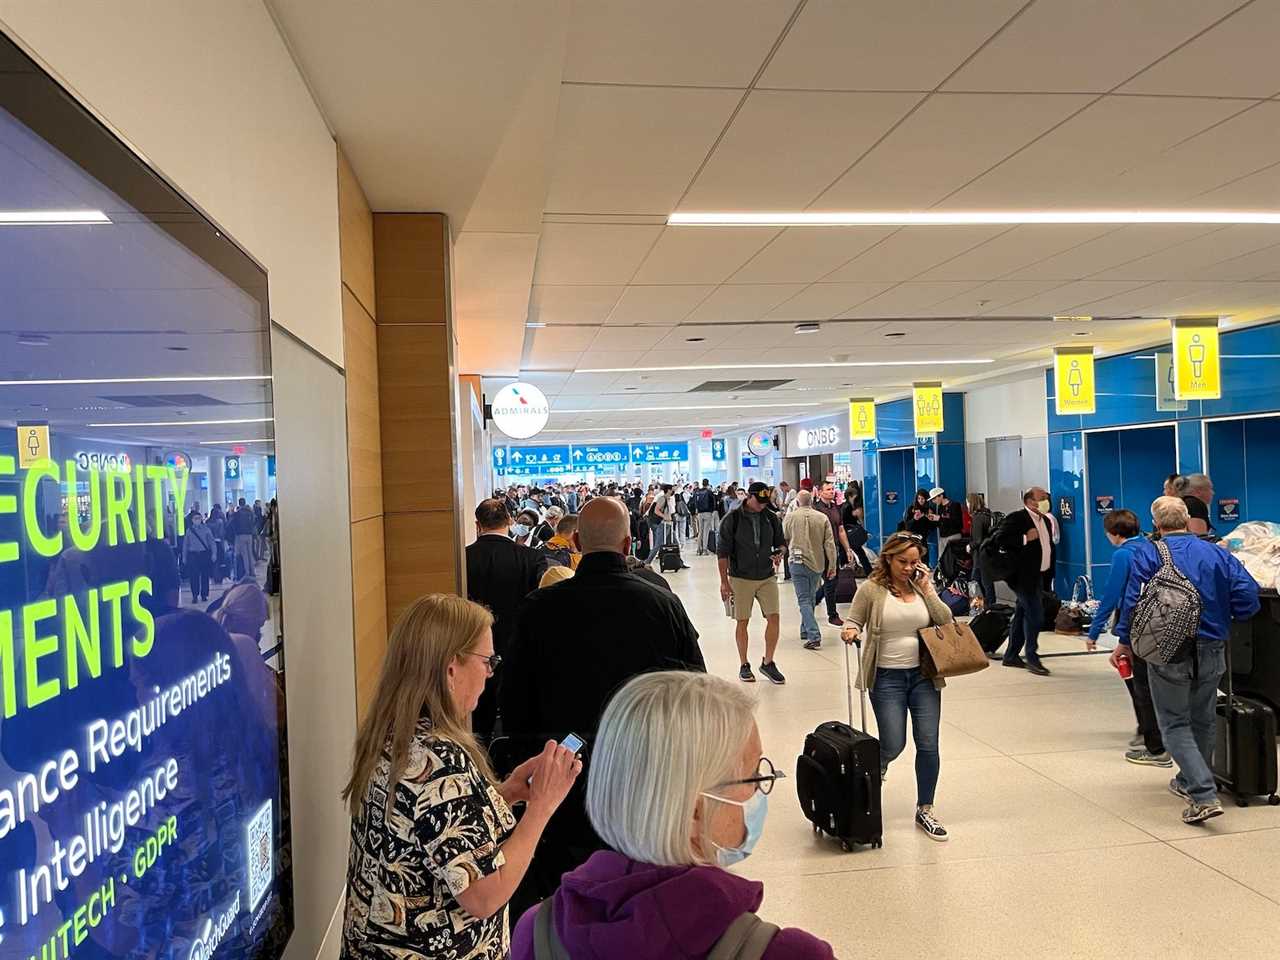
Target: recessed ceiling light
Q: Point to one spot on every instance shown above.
(915, 218)
(898, 333)
(922, 361)
(45, 218)
(807, 328)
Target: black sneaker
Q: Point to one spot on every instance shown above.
(813, 644)
(1145, 758)
(771, 671)
(926, 821)
(745, 674)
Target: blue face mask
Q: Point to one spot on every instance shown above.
(520, 530)
(753, 814)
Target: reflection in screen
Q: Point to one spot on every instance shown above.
(143, 770)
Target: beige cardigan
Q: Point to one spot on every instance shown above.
(867, 614)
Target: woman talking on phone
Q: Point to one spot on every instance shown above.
(889, 610)
(435, 851)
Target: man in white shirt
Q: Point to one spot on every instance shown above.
(1027, 537)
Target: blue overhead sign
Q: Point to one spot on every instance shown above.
(500, 459)
(537, 458)
(750, 461)
(659, 452)
(718, 449)
(601, 454)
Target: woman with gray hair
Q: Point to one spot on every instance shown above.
(679, 789)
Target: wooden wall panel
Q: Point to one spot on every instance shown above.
(355, 236)
(369, 593)
(420, 557)
(364, 420)
(417, 427)
(411, 252)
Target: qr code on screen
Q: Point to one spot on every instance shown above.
(260, 846)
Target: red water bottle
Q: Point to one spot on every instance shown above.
(1124, 667)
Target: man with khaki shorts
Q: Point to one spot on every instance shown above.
(749, 548)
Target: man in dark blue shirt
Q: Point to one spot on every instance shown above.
(1185, 692)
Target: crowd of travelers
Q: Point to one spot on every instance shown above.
(520, 788)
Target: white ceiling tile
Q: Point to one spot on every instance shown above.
(711, 42)
(1262, 264)
(659, 305)
(713, 336)
(882, 44)
(992, 298)
(1118, 246)
(701, 254)
(803, 255)
(824, 300)
(786, 147)
(593, 253)
(1018, 248)
(950, 140)
(1191, 259)
(1084, 45)
(1062, 300)
(632, 149)
(913, 250)
(597, 359)
(739, 302)
(1151, 299)
(551, 360)
(560, 339)
(913, 298)
(572, 304)
(1237, 58)
(1074, 165)
(626, 338)
(1258, 191)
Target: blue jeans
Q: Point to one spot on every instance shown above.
(659, 534)
(1186, 708)
(806, 583)
(894, 694)
(1024, 629)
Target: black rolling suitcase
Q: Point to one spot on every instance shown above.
(838, 777)
(1244, 754)
(669, 557)
(991, 626)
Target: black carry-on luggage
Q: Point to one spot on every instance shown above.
(838, 777)
(1244, 753)
(991, 626)
(669, 557)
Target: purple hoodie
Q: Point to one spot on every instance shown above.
(612, 907)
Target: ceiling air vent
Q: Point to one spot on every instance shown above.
(727, 386)
(167, 400)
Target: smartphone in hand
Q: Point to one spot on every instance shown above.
(572, 743)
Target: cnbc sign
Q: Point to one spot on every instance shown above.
(826, 435)
(520, 410)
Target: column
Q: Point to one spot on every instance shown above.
(217, 470)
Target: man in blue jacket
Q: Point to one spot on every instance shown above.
(1185, 692)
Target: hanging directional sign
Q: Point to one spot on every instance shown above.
(1166, 395)
(231, 468)
(601, 454)
(538, 457)
(1196, 375)
(927, 403)
(500, 458)
(862, 418)
(1073, 380)
(659, 452)
(718, 449)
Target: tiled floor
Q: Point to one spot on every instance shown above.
(1059, 848)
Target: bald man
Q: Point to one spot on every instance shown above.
(576, 642)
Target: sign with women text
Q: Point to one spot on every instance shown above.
(1073, 380)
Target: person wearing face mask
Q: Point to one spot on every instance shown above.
(679, 790)
(500, 573)
(435, 851)
(522, 531)
(1027, 537)
(198, 548)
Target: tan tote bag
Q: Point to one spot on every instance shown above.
(951, 650)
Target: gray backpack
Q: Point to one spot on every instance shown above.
(1166, 618)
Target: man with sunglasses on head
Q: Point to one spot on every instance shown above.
(749, 549)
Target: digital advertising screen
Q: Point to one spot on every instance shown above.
(144, 787)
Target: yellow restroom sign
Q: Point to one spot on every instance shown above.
(1196, 371)
(926, 405)
(33, 444)
(1073, 380)
(862, 418)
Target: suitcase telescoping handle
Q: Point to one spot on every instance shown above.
(848, 676)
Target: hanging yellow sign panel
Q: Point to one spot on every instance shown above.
(926, 402)
(862, 419)
(1196, 371)
(1073, 380)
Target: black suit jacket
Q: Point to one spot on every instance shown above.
(1010, 535)
(500, 574)
(576, 643)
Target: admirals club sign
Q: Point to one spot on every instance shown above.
(520, 410)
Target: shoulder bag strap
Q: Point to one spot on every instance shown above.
(546, 942)
(747, 938)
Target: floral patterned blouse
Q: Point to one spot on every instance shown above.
(405, 870)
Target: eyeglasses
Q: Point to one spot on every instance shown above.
(766, 775)
(493, 662)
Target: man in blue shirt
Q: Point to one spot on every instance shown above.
(1185, 692)
(1147, 749)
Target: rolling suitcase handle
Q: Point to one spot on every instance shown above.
(848, 677)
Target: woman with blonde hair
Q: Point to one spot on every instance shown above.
(889, 610)
(679, 790)
(435, 852)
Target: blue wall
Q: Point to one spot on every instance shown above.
(1126, 394)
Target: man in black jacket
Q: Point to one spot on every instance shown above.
(576, 643)
(1026, 537)
(500, 574)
